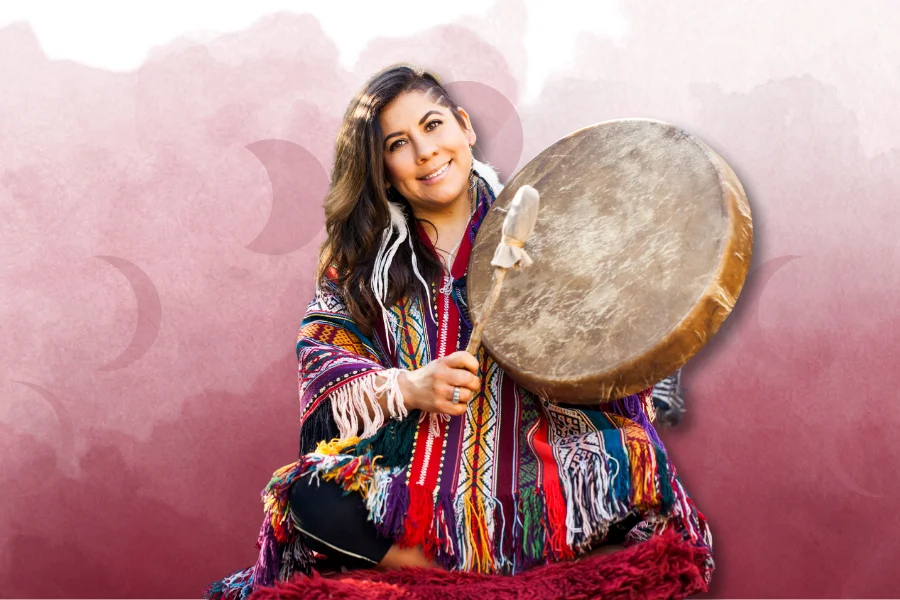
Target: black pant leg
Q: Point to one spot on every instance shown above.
(336, 524)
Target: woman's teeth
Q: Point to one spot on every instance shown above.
(436, 173)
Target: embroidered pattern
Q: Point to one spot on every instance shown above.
(514, 482)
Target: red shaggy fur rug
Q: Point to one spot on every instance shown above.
(661, 568)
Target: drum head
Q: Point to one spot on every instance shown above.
(641, 247)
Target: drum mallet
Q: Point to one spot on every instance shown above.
(510, 253)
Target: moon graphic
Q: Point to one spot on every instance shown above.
(496, 123)
(742, 327)
(832, 458)
(822, 358)
(66, 427)
(149, 313)
(758, 280)
(299, 186)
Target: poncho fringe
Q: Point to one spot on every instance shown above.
(457, 535)
(486, 492)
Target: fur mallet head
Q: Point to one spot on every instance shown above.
(517, 228)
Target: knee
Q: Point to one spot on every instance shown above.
(301, 498)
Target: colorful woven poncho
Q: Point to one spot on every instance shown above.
(515, 482)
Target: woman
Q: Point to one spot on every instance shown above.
(413, 452)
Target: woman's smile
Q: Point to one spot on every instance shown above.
(427, 154)
(436, 175)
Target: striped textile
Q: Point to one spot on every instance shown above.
(668, 400)
(514, 483)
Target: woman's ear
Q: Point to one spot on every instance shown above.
(470, 131)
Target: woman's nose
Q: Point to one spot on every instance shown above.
(425, 149)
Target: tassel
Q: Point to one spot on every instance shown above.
(391, 523)
(477, 535)
(391, 390)
(419, 515)
(276, 497)
(353, 475)
(532, 511)
(268, 563)
(316, 426)
(354, 404)
(666, 493)
(444, 526)
(383, 260)
(236, 586)
(485, 533)
(295, 558)
(620, 490)
(641, 476)
(336, 446)
(504, 516)
(555, 522)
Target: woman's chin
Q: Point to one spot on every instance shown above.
(442, 198)
(438, 204)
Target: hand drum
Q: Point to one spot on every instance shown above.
(641, 247)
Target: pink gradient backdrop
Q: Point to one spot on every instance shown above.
(150, 304)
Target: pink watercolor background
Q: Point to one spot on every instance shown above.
(159, 231)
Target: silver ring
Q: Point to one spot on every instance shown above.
(456, 395)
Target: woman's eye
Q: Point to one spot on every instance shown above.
(432, 124)
(394, 146)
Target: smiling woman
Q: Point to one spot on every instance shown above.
(409, 129)
(414, 452)
(428, 160)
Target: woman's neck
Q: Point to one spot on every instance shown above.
(449, 227)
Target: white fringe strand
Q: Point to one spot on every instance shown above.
(355, 405)
(386, 252)
(384, 259)
(391, 389)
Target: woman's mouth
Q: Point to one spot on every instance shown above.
(436, 175)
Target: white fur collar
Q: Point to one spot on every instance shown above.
(489, 174)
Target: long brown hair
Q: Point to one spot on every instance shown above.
(356, 208)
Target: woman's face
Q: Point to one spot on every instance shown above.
(427, 154)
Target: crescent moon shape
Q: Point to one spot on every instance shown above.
(149, 313)
(759, 278)
(66, 427)
(496, 122)
(299, 186)
(746, 308)
(832, 459)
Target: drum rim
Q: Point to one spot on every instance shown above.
(686, 337)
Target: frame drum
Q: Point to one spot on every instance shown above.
(641, 247)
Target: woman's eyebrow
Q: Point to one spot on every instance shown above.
(422, 120)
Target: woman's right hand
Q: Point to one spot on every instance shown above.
(430, 388)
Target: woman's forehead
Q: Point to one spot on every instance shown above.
(407, 109)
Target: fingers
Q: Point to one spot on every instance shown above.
(457, 369)
(442, 376)
(466, 395)
(462, 360)
(444, 402)
(443, 397)
(447, 408)
(454, 410)
(463, 379)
